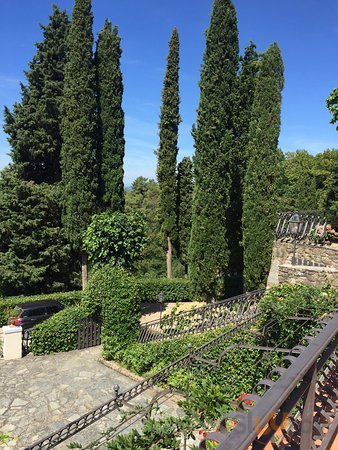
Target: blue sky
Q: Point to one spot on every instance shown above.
(306, 31)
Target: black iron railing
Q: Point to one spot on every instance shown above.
(312, 226)
(120, 399)
(296, 406)
(234, 310)
(26, 340)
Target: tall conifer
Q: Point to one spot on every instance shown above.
(242, 115)
(167, 152)
(34, 124)
(79, 165)
(185, 187)
(110, 118)
(263, 175)
(214, 139)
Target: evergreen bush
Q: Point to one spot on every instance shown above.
(59, 332)
(111, 292)
(174, 289)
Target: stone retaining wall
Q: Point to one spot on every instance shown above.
(316, 264)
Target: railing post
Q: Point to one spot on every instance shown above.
(308, 409)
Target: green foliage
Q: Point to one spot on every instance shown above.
(116, 239)
(144, 359)
(332, 104)
(110, 117)
(300, 192)
(156, 435)
(174, 289)
(326, 173)
(143, 197)
(34, 253)
(34, 124)
(214, 139)
(167, 152)
(263, 175)
(78, 127)
(66, 298)
(112, 292)
(59, 332)
(285, 301)
(239, 156)
(185, 187)
(209, 392)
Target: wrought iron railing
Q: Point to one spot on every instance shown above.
(296, 406)
(26, 340)
(313, 226)
(233, 311)
(120, 399)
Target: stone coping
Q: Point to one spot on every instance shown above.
(309, 268)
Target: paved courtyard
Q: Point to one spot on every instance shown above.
(41, 394)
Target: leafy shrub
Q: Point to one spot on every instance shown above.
(117, 239)
(174, 289)
(112, 293)
(152, 356)
(59, 332)
(287, 300)
(7, 304)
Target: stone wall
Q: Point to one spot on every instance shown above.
(315, 264)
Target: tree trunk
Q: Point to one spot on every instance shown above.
(169, 255)
(84, 270)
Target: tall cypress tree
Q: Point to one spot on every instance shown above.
(79, 165)
(167, 152)
(111, 117)
(263, 175)
(185, 187)
(214, 139)
(242, 117)
(34, 124)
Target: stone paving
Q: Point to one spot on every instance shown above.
(40, 394)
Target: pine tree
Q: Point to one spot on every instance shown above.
(263, 175)
(78, 156)
(34, 124)
(34, 253)
(110, 117)
(185, 187)
(214, 139)
(167, 152)
(242, 116)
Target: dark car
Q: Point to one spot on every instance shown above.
(27, 315)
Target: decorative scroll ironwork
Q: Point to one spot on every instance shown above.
(296, 406)
(312, 226)
(234, 310)
(119, 399)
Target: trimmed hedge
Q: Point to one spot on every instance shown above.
(59, 332)
(174, 289)
(112, 293)
(66, 298)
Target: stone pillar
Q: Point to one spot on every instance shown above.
(12, 342)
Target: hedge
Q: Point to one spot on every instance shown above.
(174, 289)
(59, 332)
(111, 292)
(7, 304)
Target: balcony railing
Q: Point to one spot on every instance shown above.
(295, 407)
